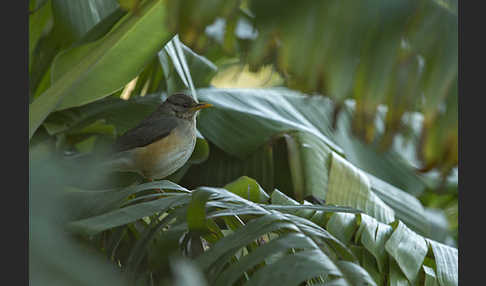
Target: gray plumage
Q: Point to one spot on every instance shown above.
(158, 124)
(148, 131)
(161, 143)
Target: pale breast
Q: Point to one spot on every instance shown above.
(163, 157)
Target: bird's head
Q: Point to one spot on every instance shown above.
(183, 106)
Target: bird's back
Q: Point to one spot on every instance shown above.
(162, 156)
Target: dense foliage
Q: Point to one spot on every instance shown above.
(335, 165)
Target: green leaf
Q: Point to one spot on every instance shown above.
(249, 189)
(225, 195)
(130, 5)
(373, 236)
(202, 70)
(124, 39)
(75, 22)
(278, 198)
(196, 211)
(183, 68)
(446, 260)
(266, 112)
(221, 168)
(368, 262)
(309, 159)
(102, 27)
(35, 5)
(227, 246)
(370, 53)
(123, 114)
(430, 278)
(176, 72)
(88, 203)
(408, 249)
(305, 265)
(76, 18)
(318, 233)
(47, 47)
(355, 274)
(94, 225)
(278, 245)
(272, 114)
(304, 122)
(98, 127)
(396, 277)
(38, 22)
(169, 242)
(86, 145)
(349, 186)
(89, 79)
(342, 226)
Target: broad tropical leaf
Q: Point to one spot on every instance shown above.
(350, 187)
(446, 259)
(303, 122)
(91, 79)
(333, 174)
(76, 18)
(399, 245)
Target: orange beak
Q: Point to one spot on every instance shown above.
(201, 106)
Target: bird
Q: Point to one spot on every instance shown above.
(162, 142)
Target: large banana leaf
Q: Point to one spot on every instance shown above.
(76, 18)
(105, 54)
(275, 111)
(350, 187)
(378, 52)
(446, 261)
(399, 245)
(68, 23)
(271, 111)
(252, 120)
(180, 64)
(85, 70)
(373, 235)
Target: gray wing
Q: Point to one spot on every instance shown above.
(148, 131)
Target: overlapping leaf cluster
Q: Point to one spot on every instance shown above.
(86, 55)
(399, 53)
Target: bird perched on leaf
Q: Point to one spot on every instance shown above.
(161, 143)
